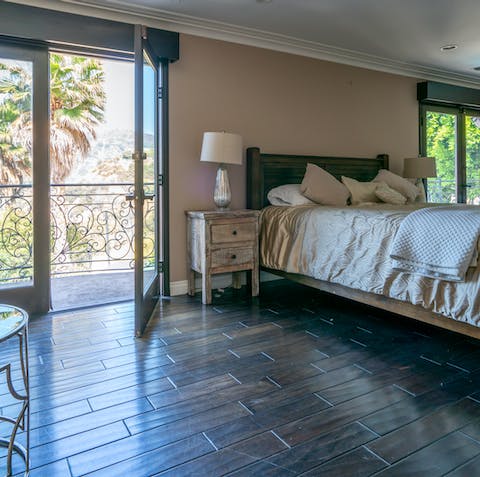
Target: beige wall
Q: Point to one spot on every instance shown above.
(281, 103)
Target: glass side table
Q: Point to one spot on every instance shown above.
(14, 323)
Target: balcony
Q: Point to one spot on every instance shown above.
(91, 241)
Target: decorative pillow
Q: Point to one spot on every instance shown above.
(388, 195)
(360, 191)
(288, 194)
(321, 187)
(400, 184)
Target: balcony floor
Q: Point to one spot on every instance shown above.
(89, 289)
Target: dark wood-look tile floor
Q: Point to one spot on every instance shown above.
(293, 383)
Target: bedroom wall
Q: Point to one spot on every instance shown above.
(280, 103)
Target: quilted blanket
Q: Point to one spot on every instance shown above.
(437, 242)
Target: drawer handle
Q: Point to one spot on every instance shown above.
(234, 232)
(234, 257)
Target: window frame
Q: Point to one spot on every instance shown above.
(460, 140)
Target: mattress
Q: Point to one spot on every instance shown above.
(351, 246)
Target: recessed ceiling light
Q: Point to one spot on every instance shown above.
(449, 47)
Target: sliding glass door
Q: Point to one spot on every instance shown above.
(24, 177)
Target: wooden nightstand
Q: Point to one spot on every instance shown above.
(220, 242)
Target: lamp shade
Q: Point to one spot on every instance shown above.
(222, 148)
(419, 167)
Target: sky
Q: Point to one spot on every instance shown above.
(119, 89)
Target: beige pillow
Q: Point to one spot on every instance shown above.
(388, 195)
(321, 187)
(400, 184)
(360, 191)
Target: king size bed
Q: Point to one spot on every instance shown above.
(346, 250)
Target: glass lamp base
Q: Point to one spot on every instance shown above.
(222, 195)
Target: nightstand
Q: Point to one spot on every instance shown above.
(221, 242)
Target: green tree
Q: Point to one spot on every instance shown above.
(441, 144)
(77, 102)
(15, 114)
(472, 132)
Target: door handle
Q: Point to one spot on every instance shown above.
(131, 197)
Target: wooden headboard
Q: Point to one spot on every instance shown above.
(266, 171)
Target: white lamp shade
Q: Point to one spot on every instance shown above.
(419, 167)
(222, 148)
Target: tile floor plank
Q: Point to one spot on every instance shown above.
(412, 437)
(293, 383)
(436, 459)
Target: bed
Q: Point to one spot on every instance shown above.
(266, 171)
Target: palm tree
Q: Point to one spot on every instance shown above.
(77, 102)
(15, 114)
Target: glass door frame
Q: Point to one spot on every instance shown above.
(35, 297)
(460, 113)
(145, 298)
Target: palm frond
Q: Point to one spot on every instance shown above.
(77, 103)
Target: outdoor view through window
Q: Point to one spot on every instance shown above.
(92, 173)
(442, 143)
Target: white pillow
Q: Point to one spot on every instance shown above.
(321, 187)
(388, 195)
(360, 191)
(400, 184)
(288, 194)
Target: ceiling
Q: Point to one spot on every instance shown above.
(401, 36)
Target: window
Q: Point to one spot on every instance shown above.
(450, 132)
(452, 136)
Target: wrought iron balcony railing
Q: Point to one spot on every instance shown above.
(92, 230)
(92, 227)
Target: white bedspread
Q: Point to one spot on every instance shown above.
(351, 246)
(438, 242)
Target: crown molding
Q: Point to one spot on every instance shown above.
(124, 12)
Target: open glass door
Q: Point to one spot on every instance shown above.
(24, 177)
(146, 195)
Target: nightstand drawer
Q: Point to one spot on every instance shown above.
(231, 256)
(236, 232)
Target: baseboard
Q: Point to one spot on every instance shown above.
(178, 288)
(218, 281)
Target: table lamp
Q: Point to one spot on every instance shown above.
(222, 148)
(419, 168)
